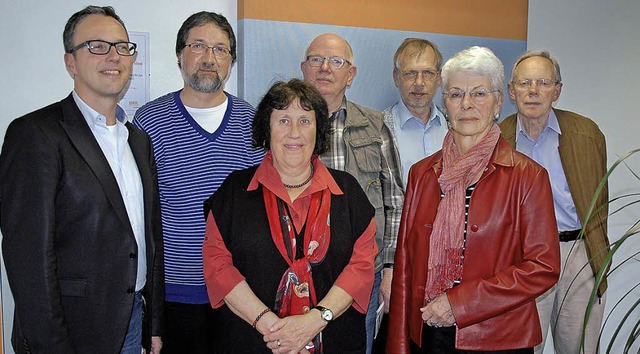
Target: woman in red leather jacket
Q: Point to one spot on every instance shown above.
(478, 240)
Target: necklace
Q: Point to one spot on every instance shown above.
(294, 186)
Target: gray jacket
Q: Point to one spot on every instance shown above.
(372, 158)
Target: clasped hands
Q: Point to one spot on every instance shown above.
(293, 334)
(438, 313)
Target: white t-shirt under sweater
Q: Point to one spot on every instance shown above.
(208, 118)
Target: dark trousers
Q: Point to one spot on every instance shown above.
(442, 341)
(380, 342)
(188, 328)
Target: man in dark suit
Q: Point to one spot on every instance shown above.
(79, 208)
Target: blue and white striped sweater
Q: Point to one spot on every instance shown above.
(192, 164)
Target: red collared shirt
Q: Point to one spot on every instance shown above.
(356, 278)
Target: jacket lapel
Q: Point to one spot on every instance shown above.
(567, 158)
(564, 147)
(141, 149)
(508, 128)
(75, 125)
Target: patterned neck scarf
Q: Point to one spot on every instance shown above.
(447, 238)
(296, 293)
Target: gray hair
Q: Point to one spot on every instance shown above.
(478, 60)
(421, 46)
(542, 54)
(72, 23)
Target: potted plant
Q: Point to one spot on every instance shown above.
(623, 320)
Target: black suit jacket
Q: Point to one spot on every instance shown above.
(68, 247)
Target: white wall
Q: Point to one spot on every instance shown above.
(598, 46)
(33, 70)
(32, 59)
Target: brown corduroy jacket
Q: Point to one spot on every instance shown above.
(583, 154)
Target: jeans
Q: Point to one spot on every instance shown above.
(370, 321)
(133, 340)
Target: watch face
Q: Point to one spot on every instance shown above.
(327, 315)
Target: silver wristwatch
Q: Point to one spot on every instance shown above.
(325, 313)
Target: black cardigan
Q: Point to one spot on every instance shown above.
(242, 220)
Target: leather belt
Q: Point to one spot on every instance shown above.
(569, 235)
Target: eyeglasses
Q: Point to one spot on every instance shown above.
(412, 75)
(99, 47)
(201, 48)
(334, 62)
(542, 84)
(478, 95)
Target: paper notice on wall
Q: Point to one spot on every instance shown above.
(137, 93)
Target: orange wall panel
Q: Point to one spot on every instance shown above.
(505, 19)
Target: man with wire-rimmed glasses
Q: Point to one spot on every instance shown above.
(200, 134)
(417, 124)
(82, 240)
(573, 149)
(361, 144)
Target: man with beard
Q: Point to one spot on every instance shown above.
(200, 134)
(418, 126)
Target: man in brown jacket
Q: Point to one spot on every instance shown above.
(572, 149)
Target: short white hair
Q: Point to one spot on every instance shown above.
(478, 60)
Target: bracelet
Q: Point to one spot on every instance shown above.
(388, 265)
(255, 322)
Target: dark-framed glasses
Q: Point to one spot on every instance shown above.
(99, 47)
(542, 84)
(478, 95)
(412, 75)
(334, 62)
(201, 48)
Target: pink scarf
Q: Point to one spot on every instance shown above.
(447, 238)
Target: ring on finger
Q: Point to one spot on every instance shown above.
(278, 342)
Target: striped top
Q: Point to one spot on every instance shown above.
(192, 163)
(467, 202)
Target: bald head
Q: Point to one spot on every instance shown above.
(331, 40)
(330, 79)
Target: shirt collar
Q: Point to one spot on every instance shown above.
(268, 176)
(94, 118)
(341, 113)
(552, 123)
(436, 118)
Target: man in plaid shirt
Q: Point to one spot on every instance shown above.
(361, 145)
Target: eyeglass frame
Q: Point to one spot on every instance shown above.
(215, 49)
(86, 44)
(328, 59)
(526, 84)
(403, 75)
(473, 98)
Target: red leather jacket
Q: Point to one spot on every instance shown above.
(511, 256)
